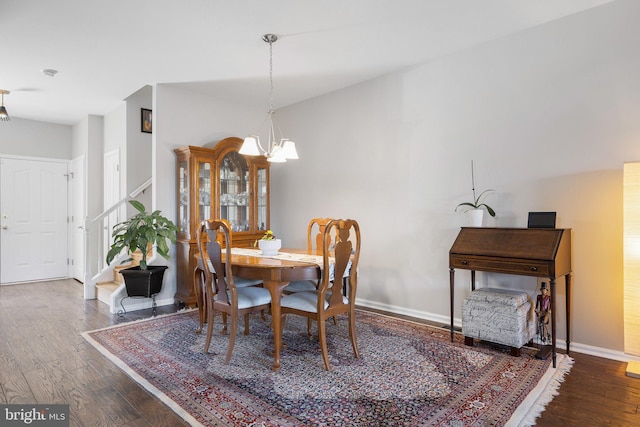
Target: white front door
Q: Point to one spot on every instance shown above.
(33, 220)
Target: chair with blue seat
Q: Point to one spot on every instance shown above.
(199, 281)
(221, 292)
(314, 242)
(331, 298)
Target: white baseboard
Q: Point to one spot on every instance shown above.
(457, 322)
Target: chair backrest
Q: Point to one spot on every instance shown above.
(217, 275)
(221, 237)
(314, 241)
(346, 254)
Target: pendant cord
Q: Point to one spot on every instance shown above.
(271, 76)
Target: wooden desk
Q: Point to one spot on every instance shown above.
(275, 274)
(539, 252)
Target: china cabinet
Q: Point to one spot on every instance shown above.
(217, 183)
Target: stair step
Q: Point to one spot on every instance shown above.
(105, 289)
(117, 277)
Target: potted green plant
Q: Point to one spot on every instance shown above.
(475, 206)
(268, 243)
(137, 233)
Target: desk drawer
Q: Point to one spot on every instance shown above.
(507, 266)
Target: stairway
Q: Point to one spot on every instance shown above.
(104, 290)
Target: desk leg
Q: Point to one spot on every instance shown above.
(275, 289)
(552, 283)
(568, 307)
(451, 273)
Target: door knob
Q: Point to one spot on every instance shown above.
(4, 227)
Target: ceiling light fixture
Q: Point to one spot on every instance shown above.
(276, 151)
(4, 116)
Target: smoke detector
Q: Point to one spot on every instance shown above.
(49, 72)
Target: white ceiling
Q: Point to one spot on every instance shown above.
(106, 50)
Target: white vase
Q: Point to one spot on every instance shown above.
(475, 217)
(269, 247)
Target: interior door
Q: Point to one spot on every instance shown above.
(33, 222)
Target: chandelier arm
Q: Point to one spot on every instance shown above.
(260, 147)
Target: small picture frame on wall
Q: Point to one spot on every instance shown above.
(146, 122)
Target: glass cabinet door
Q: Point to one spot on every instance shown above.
(234, 191)
(263, 199)
(183, 197)
(204, 191)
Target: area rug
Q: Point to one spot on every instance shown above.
(408, 374)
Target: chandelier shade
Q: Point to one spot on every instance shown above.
(278, 149)
(4, 116)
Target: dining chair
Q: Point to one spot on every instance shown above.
(221, 292)
(341, 263)
(314, 242)
(198, 273)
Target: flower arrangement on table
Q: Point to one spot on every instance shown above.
(268, 243)
(268, 235)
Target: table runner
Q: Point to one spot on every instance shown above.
(311, 259)
(291, 256)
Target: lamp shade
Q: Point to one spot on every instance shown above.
(289, 149)
(250, 146)
(4, 116)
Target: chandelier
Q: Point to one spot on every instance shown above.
(4, 116)
(276, 150)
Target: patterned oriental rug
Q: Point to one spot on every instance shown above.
(408, 374)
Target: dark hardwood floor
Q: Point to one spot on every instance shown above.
(44, 360)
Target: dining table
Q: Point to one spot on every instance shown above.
(276, 272)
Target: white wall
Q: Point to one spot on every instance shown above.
(186, 118)
(115, 130)
(549, 116)
(115, 138)
(22, 137)
(138, 159)
(88, 140)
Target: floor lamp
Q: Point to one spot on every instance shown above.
(631, 199)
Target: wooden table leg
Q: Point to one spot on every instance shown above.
(275, 289)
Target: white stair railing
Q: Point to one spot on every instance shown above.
(98, 240)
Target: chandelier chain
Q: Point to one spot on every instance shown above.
(271, 75)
